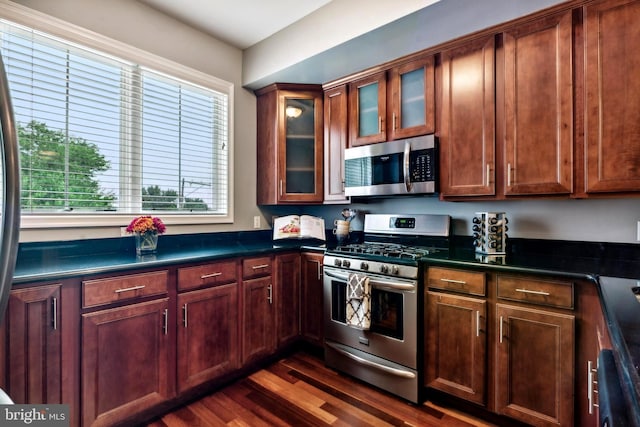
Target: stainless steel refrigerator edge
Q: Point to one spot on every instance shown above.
(10, 228)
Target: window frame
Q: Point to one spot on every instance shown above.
(75, 34)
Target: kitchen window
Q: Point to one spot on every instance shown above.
(102, 136)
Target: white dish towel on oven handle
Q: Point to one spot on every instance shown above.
(358, 301)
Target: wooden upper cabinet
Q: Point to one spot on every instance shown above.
(368, 109)
(538, 107)
(467, 128)
(411, 95)
(612, 103)
(289, 143)
(336, 136)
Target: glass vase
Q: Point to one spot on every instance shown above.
(146, 243)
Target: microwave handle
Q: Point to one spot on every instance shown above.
(407, 155)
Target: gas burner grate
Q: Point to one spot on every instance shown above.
(390, 250)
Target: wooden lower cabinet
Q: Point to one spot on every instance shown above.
(311, 299)
(287, 297)
(535, 365)
(457, 345)
(34, 345)
(208, 344)
(258, 319)
(125, 354)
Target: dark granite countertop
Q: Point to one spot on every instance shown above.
(613, 268)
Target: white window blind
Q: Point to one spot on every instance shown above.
(101, 135)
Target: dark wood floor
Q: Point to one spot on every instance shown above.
(300, 391)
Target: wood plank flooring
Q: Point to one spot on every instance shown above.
(300, 391)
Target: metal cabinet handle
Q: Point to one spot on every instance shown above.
(500, 329)
(184, 315)
(319, 266)
(379, 124)
(528, 291)
(488, 174)
(509, 175)
(257, 267)
(270, 293)
(133, 288)
(477, 323)
(395, 121)
(165, 321)
(208, 276)
(457, 282)
(54, 312)
(280, 187)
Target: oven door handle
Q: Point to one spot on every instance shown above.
(405, 164)
(388, 369)
(376, 283)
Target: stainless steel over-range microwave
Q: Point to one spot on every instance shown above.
(406, 166)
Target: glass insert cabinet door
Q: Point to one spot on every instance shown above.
(412, 87)
(368, 109)
(301, 166)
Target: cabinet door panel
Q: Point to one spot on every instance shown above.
(412, 90)
(258, 329)
(312, 310)
(535, 365)
(34, 362)
(539, 107)
(207, 334)
(124, 361)
(368, 110)
(612, 96)
(335, 141)
(467, 137)
(287, 295)
(457, 345)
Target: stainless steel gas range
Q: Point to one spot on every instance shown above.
(382, 346)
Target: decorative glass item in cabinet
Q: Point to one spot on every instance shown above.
(300, 145)
(413, 101)
(369, 116)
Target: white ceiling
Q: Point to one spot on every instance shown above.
(241, 23)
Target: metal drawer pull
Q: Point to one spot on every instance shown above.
(133, 288)
(208, 276)
(256, 267)
(527, 291)
(457, 282)
(54, 309)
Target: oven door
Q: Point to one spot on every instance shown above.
(394, 306)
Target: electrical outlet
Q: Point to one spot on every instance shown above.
(256, 221)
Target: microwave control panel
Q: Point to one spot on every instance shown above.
(422, 165)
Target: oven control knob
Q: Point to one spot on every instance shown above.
(346, 263)
(384, 268)
(395, 269)
(364, 266)
(337, 262)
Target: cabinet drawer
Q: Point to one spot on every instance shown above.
(554, 293)
(256, 267)
(120, 288)
(466, 282)
(218, 273)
